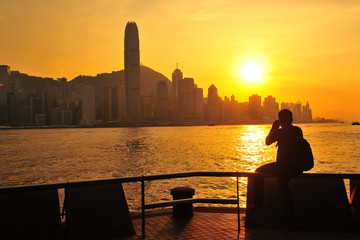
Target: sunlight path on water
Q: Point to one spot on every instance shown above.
(37, 156)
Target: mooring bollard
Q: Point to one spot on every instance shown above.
(182, 210)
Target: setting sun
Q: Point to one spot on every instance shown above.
(252, 71)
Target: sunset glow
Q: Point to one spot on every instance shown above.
(313, 47)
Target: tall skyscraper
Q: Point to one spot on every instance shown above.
(132, 73)
(177, 76)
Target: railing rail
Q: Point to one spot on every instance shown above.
(166, 176)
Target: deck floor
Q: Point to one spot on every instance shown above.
(214, 223)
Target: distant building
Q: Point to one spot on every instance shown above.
(37, 106)
(60, 116)
(296, 109)
(40, 120)
(111, 103)
(300, 113)
(226, 110)
(307, 113)
(132, 73)
(88, 105)
(177, 76)
(255, 107)
(187, 99)
(122, 103)
(213, 105)
(199, 105)
(4, 84)
(162, 102)
(4, 75)
(270, 109)
(148, 106)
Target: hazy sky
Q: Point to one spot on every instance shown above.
(309, 50)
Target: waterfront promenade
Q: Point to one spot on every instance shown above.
(220, 223)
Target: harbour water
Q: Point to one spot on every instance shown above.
(38, 156)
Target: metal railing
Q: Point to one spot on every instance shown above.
(354, 187)
(191, 200)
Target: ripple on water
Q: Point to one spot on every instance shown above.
(61, 155)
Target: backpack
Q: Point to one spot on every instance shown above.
(303, 158)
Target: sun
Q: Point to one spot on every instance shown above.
(252, 71)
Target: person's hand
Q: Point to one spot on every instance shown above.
(276, 125)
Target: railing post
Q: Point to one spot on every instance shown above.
(66, 211)
(142, 207)
(354, 188)
(237, 198)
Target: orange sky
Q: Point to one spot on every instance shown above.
(310, 50)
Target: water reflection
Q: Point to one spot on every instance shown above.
(121, 152)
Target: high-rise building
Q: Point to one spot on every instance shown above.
(307, 114)
(132, 73)
(162, 101)
(177, 76)
(255, 107)
(88, 104)
(214, 105)
(199, 104)
(111, 102)
(4, 84)
(148, 106)
(122, 103)
(37, 106)
(271, 108)
(226, 113)
(4, 75)
(296, 110)
(187, 98)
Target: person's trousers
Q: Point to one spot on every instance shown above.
(283, 179)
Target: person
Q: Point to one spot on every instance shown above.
(284, 133)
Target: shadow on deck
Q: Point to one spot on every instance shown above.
(219, 223)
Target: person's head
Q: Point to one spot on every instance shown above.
(285, 117)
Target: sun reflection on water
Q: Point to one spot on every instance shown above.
(89, 154)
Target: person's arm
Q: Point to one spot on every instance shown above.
(270, 137)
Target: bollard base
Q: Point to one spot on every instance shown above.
(183, 210)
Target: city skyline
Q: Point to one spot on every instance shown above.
(302, 51)
(89, 101)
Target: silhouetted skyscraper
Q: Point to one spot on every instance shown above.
(132, 73)
(177, 76)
